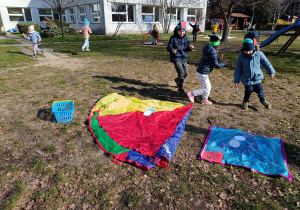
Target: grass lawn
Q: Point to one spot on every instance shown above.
(48, 165)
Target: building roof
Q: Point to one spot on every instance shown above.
(234, 15)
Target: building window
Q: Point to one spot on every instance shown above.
(52, 14)
(174, 14)
(72, 17)
(19, 14)
(82, 14)
(192, 14)
(95, 10)
(150, 14)
(122, 13)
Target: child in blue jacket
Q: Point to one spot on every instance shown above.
(35, 39)
(208, 61)
(178, 46)
(248, 71)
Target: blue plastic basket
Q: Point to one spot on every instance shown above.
(63, 111)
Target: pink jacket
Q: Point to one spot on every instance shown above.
(86, 31)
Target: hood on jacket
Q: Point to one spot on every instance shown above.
(209, 50)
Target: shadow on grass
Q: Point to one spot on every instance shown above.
(155, 91)
(46, 115)
(21, 53)
(66, 51)
(292, 152)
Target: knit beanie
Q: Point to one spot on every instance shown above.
(181, 26)
(214, 40)
(86, 22)
(31, 29)
(248, 45)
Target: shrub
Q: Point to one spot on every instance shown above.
(65, 24)
(23, 27)
(49, 23)
(57, 31)
(3, 33)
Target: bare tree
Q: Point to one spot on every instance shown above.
(253, 5)
(168, 8)
(279, 7)
(61, 6)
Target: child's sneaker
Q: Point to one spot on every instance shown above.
(42, 51)
(34, 56)
(191, 97)
(266, 104)
(82, 49)
(205, 101)
(181, 90)
(177, 82)
(88, 50)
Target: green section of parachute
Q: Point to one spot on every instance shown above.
(104, 139)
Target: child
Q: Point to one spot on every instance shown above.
(154, 35)
(86, 31)
(208, 61)
(220, 27)
(249, 72)
(178, 46)
(252, 34)
(215, 28)
(35, 38)
(195, 30)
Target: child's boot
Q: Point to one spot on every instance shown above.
(245, 105)
(265, 103)
(34, 56)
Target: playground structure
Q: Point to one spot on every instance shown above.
(151, 41)
(295, 26)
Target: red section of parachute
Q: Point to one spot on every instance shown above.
(144, 134)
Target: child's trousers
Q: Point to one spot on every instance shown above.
(206, 86)
(257, 88)
(182, 71)
(86, 44)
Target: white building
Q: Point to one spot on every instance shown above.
(105, 16)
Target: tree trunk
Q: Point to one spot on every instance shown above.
(62, 25)
(226, 30)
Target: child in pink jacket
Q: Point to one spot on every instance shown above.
(86, 31)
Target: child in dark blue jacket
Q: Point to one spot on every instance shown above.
(178, 46)
(208, 61)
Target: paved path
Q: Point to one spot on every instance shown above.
(26, 46)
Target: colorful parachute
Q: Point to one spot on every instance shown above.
(144, 133)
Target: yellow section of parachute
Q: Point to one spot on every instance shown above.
(117, 104)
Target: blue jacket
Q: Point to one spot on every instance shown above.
(248, 69)
(209, 60)
(34, 37)
(182, 45)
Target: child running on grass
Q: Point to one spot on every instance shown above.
(178, 46)
(86, 31)
(208, 61)
(249, 72)
(35, 39)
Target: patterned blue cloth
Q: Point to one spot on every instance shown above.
(265, 155)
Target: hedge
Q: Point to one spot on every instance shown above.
(23, 27)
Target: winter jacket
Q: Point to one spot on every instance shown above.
(181, 44)
(209, 60)
(34, 37)
(154, 33)
(86, 31)
(195, 28)
(248, 69)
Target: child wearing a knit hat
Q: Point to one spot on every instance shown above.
(208, 61)
(35, 39)
(154, 35)
(248, 71)
(178, 46)
(86, 31)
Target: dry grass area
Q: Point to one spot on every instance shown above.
(48, 165)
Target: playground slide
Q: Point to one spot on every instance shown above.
(278, 33)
